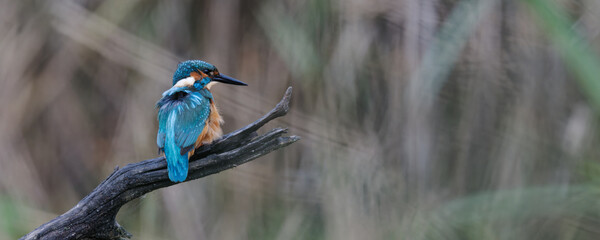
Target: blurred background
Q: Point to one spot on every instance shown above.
(420, 119)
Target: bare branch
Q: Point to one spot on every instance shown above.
(94, 216)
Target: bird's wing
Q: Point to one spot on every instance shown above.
(191, 120)
(181, 120)
(191, 114)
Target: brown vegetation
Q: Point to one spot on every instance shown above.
(419, 121)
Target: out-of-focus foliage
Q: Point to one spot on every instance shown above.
(420, 119)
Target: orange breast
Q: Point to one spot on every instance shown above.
(212, 128)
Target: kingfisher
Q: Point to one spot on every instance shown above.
(188, 116)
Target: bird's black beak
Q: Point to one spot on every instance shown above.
(229, 80)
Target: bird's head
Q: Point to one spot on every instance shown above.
(200, 74)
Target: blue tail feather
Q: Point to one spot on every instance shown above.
(177, 163)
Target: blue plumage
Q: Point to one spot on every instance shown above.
(183, 113)
(177, 163)
(185, 68)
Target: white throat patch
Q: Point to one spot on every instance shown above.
(210, 84)
(186, 82)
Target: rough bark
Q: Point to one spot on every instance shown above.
(94, 216)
